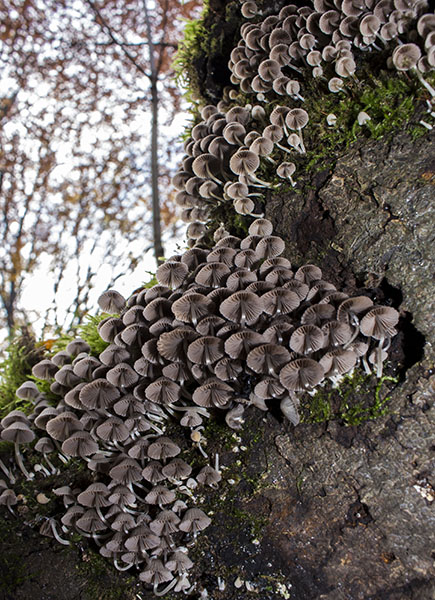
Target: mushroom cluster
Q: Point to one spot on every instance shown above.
(270, 66)
(224, 329)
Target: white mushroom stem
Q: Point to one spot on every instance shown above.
(53, 469)
(118, 568)
(100, 514)
(302, 141)
(253, 180)
(19, 460)
(216, 462)
(282, 147)
(7, 472)
(56, 534)
(165, 590)
(424, 82)
(366, 365)
(39, 468)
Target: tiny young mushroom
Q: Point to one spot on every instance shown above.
(286, 170)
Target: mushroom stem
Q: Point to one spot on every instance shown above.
(53, 469)
(424, 82)
(302, 141)
(118, 568)
(56, 534)
(19, 459)
(7, 472)
(366, 366)
(165, 590)
(253, 180)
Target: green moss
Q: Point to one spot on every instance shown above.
(358, 398)
(15, 368)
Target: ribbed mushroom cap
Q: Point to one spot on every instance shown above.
(338, 361)
(61, 358)
(163, 391)
(379, 322)
(98, 394)
(8, 498)
(163, 448)
(278, 276)
(165, 523)
(244, 162)
(205, 350)
(44, 445)
(229, 241)
(80, 443)
(239, 344)
(212, 274)
(28, 391)
(127, 471)
(268, 388)
(239, 279)
(63, 425)
(271, 263)
(317, 314)
(308, 274)
(114, 354)
(296, 118)
(122, 375)
(275, 133)
(353, 306)
(209, 325)
(173, 344)
(334, 298)
(157, 309)
(113, 429)
(213, 393)
(345, 66)
(111, 301)
(153, 472)
(95, 496)
(261, 227)
(301, 374)
(18, 415)
(83, 369)
(44, 369)
(269, 70)
(123, 521)
(222, 255)
(41, 420)
(245, 259)
(192, 307)
(18, 433)
(286, 170)
(278, 332)
(280, 301)
(66, 377)
(228, 369)
(172, 273)
(406, 56)
(77, 346)
(278, 115)
(160, 495)
(337, 333)
(109, 328)
(250, 242)
(208, 476)
(90, 521)
(236, 190)
(157, 291)
(242, 307)
(140, 539)
(270, 246)
(194, 257)
(194, 520)
(72, 514)
(160, 326)
(262, 146)
(123, 496)
(307, 339)
(177, 469)
(335, 84)
(150, 352)
(206, 165)
(233, 133)
(318, 289)
(267, 359)
(179, 561)
(128, 405)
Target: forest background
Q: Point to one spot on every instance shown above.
(88, 94)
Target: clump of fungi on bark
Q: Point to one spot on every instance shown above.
(277, 53)
(229, 329)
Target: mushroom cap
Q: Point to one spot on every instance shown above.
(338, 361)
(27, 391)
(244, 162)
(205, 350)
(63, 425)
(163, 391)
(192, 307)
(307, 339)
(406, 56)
(127, 471)
(113, 429)
(213, 393)
(122, 375)
(177, 469)
(270, 246)
(99, 393)
(267, 359)
(240, 343)
(111, 302)
(80, 443)
(301, 374)
(172, 273)
(194, 520)
(95, 495)
(280, 301)
(296, 118)
(18, 433)
(261, 227)
(242, 306)
(379, 322)
(44, 369)
(172, 345)
(163, 448)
